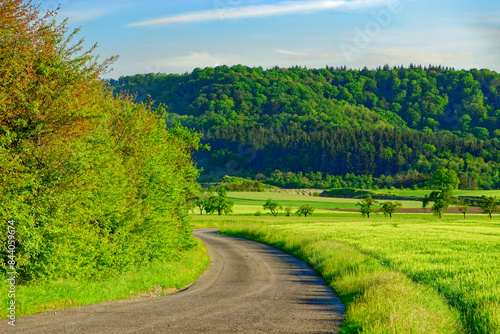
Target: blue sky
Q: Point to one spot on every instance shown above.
(178, 36)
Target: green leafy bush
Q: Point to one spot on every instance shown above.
(94, 184)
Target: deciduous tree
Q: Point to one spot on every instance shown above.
(366, 205)
(305, 210)
(272, 206)
(389, 207)
(462, 205)
(219, 203)
(489, 204)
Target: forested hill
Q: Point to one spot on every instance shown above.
(339, 121)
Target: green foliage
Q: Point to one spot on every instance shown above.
(489, 204)
(462, 205)
(366, 206)
(389, 207)
(150, 280)
(305, 210)
(445, 179)
(244, 185)
(442, 201)
(219, 203)
(404, 122)
(201, 200)
(272, 206)
(288, 210)
(94, 184)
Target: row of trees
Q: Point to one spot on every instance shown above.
(274, 207)
(446, 181)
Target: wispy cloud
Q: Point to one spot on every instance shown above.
(281, 8)
(88, 14)
(305, 56)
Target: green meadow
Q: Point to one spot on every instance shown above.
(414, 273)
(250, 202)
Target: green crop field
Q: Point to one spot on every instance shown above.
(414, 273)
(251, 202)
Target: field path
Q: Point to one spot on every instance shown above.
(248, 288)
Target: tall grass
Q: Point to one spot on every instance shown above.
(454, 261)
(378, 299)
(157, 278)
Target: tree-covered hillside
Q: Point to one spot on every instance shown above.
(336, 121)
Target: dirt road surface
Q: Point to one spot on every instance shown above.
(248, 288)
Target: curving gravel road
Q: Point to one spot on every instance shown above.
(248, 288)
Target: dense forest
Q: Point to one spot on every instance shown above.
(396, 125)
(90, 184)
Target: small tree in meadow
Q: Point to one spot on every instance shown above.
(305, 210)
(288, 210)
(366, 205)
(462, 205)
(219, 203)
(201, 200)
(389, 207)
(442, 201)
(446, 180)
(489, 205)
(272, 206)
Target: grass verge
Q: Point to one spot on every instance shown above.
(377, 298)
(158, 278)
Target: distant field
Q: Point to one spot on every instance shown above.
(367, 261)
(251, 202)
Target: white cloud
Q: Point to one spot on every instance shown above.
(83, 15)
(281, 8)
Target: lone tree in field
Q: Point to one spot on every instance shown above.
(389, 207)
(305, 210)
(272, 206)
(201, 200)
(366, 205)
(219, 203)
(288, 210)
(489, 205)
(446, 180)
(442, 201)
(462, 205)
